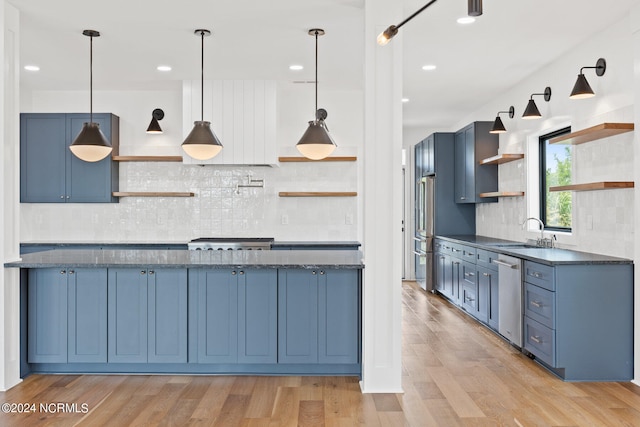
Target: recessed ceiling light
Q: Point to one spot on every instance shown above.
(466, 20)
(163, 68)
(296, 67)
(429, 67)
(405, 99)
(32, 68)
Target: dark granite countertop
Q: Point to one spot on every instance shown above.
(549, 256)
(162, 258)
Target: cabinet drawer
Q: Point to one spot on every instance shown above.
(469, 298)
(539, 274)
(469, 254)
(456, 250)
(540, 340)
(485, 259)
(469, 274)
(539, 304)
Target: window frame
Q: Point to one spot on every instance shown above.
(542, 178)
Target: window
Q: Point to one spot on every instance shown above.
(555, 170)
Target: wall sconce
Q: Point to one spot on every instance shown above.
(532, 112)
(154, 126)
(498, 126)
(581, 89)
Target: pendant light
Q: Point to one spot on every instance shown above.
(386, 36)
(202, 143)
(91, 145)
(582, 89)
(498, 126)
(316, 143)
(154, 126)
(532, 112)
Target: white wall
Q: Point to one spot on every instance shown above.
(602, 220)
(217, 209)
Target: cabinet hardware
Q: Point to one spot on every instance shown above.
(321, 272)
(419, 254)
(536, 304)
(241, 272)
(71, 271)
(62, 197)
(536, 274)
(504, 264)
(313, 272)
(233, 273)
(469, 274)
(68, 197)
(151, 272)
(536, 339)
(486, 274)
(457, 263)
(143, 272)
(456, 250)
(469, 299)
(63, 271)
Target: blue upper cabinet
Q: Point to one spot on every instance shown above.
(50, 173)
(472, 144)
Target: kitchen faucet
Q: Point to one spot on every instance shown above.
(542, 241)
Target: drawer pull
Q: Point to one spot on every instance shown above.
(469, 299)
(536, 304)
(143, 272)
(536, 274)
(486, 274)
(242, 272)
(63, 271)
(469, 274)
(456, 250)
(71, 271)
(536, 339)
(505, 264)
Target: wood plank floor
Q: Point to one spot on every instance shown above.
(455, 373)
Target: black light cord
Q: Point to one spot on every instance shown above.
(202, 76)
(415, 13)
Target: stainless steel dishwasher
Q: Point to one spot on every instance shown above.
(510, 298)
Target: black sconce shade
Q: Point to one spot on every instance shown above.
(154, 126)
(582, 89)
(498, 126)
(532, 112)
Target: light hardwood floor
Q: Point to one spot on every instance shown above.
(455, 373)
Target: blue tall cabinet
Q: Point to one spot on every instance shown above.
(50, 173)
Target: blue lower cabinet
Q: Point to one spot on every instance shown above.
(339, 311)
(298, 316)
(127, 333)
(167, 311)
(236, 316)
(47, 316)
(147, 315)
(87, 315)
(319, 316)
(67, 315)
(257, 316)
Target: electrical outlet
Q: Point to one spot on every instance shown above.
(348, 219)
(284, 219)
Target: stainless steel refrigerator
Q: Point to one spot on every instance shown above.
(423, 250)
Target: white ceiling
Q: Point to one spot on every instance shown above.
(260, 39)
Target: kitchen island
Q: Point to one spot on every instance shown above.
(179, 311)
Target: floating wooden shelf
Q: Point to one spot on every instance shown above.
(501, 158)
(594, 186)
(151, 194)
(147, 158)
(503, 194)
(317, 194)
(326, 159)
(591, 134)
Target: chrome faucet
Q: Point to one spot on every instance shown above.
(541, 241)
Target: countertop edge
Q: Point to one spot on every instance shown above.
(504, 248)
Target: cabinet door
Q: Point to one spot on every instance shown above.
(469, 288)
(167, 308)
(88, 181)
(42, 158)
(455, 291)
(87, 316)
(338, 323)
(440, 263)
(297, 316)
(459, 167)
(428, 156)
(218, 316)
(127, 315)
(485, 279)
(418, 159)
(47, 316)
(492, 310)
(257, 316)
(470, 165)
